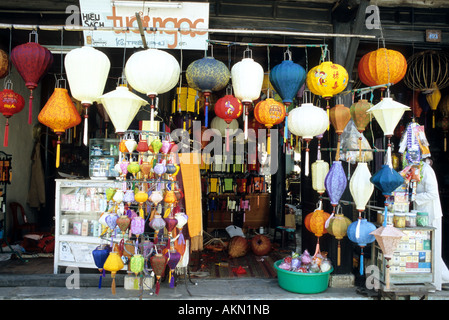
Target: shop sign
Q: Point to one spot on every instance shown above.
(110, 13)
(433, 35)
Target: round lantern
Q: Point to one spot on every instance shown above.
(307, 121)
(152, 72)
(337, 227)
(122, 106)
(382, 66)
(444, 106)
(4, 64)
(269, 112)
(10, 104)
(444, 124)
(87, 71)
(434, 99)
(32, 62)
(247, 79)
(339, 116)
(207, 75)
(228, 108)
(59, 114)
(223, 127)
(320, 168)
(360, 232)
(335, 183)
(315, 223)
(287, 78)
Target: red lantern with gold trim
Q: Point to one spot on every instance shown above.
(228, 108)
(10, 104)
(60, 114)
(269, 112)
(32, 61)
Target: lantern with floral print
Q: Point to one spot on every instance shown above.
(315, 223)
(228, 108)
(32, 61)
(269, 112)
(10, 104)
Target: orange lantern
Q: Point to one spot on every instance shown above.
(60, 114)
(339, 117)
(4, 64)
(382, 66)
(361, 117)
(315, 223)
(10, 104)
(269, 112)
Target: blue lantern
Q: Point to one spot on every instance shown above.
(359, 232)
(387, 180)
(287, 78)
(207, 75)
(100, 254)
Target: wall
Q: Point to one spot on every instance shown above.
(20, 146)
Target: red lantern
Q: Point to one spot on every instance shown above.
(10, 104)
(228, 108)
(32, 61)
(269, 112)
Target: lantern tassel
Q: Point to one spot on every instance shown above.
(101, 279)
(113, 285)
(433, 120)
(85, 128)
(361, 261)
(5, 139)
(227, 139)
(339, 253)
(246, 123)
(206, 116)
(58, 151)
(157, 286)
(306, 171)
(286, 129)
(171, 279)
(268, 143)
(30, 107)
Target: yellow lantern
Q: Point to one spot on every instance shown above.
(338, 226)
(434, 99)
(113, 264)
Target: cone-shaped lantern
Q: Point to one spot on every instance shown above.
(434, 99)
(320, 169)
(360, 232)
(247, 79)
(100, 254)
(122, 106)
(337, 226)
(269, 112)
(87, 71)
(388, 238)
(152, 72)
(287, 78)
(307, 121)
(207, 75)
(10, 104)
(360, 186)
(339, 116)
(315, 223)
(59, 114)
(32, 62)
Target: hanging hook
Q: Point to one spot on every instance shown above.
(289, 53)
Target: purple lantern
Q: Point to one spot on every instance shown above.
(335, 183)
(173, 258)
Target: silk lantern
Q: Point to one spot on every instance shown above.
(388, 238)
(326, 80)
(122, 106)
(382, 66)
(113, 264)
(320, 168)
(337, 226)
(360, 186)
(152, 72)
(339, 116)
(158, 263)
(434, 99)
(87, 71)
(315, 223)
(247, 79)
(137, 265)
(59, 114)
(360, 232)
(207, 75)
(307, 121)
(4, 64)
(335, 183)
(100, 254)
(361, 118)
(32, 62)
(386, 180)
(388, 113)
(228, 108)
(173, 258)
(10, 103)
(287, 78)
(269, 112)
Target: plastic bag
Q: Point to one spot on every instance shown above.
(350, 140)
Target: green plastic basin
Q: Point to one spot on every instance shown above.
(302, 282)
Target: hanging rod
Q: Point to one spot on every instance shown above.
(227, 31)
(221, 42)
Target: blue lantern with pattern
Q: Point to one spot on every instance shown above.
(286, 79)
(359, 232)
(207, 75)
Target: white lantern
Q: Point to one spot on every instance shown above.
(247, 79)
(307, 121)
(87, 71)
(320, 169)
(152, 72)
(360, 186)
(221, 125)
(122, 106)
